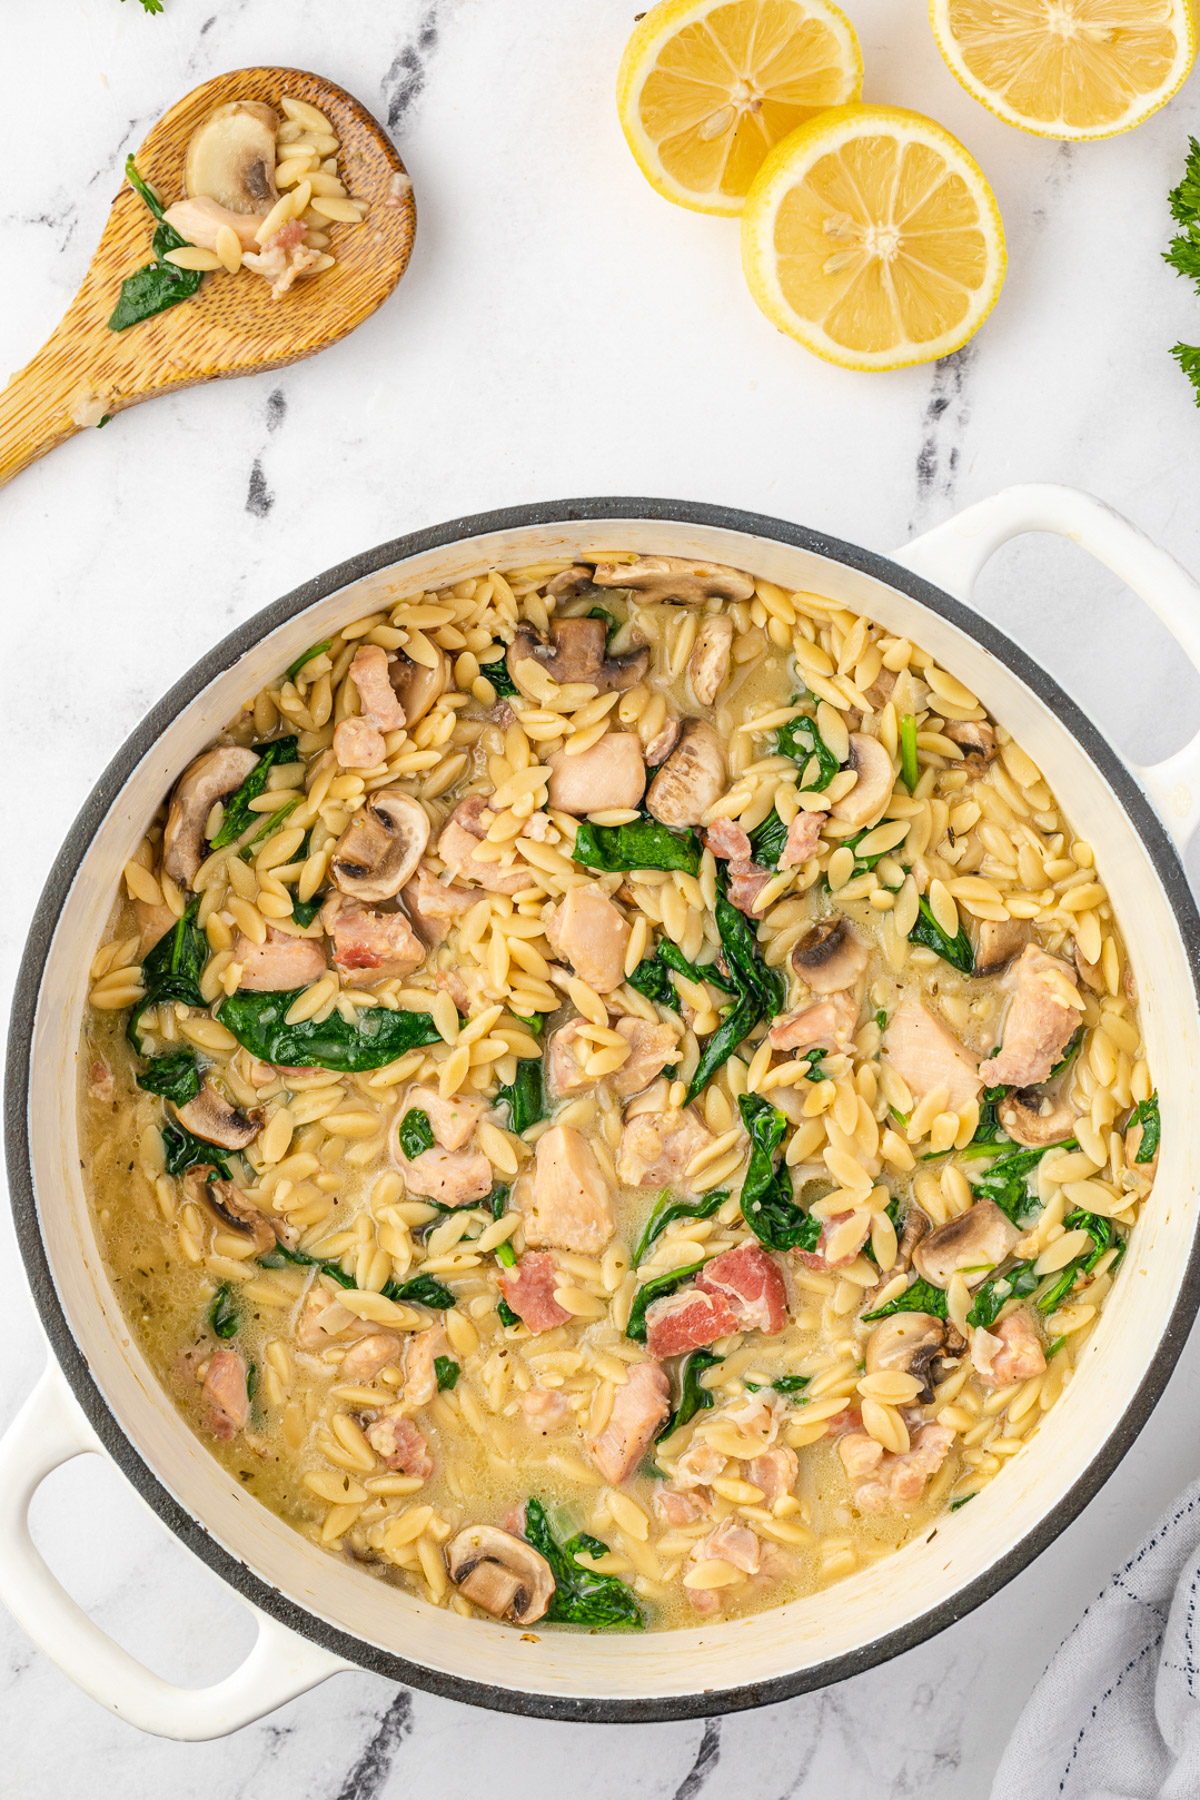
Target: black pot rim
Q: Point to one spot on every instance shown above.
(595, 1710)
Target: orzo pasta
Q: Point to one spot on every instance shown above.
(613, 1094)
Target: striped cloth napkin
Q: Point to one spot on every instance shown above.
(1116, 1716)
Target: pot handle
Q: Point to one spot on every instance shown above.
(952, 555)
(51, 1430)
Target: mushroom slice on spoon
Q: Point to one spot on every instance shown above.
(231, 157)
(381, 846)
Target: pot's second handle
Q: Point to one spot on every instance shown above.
(952, 555)
(48, 1431)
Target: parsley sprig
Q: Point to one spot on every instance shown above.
(1183, 252)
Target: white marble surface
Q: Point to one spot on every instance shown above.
(561, 331)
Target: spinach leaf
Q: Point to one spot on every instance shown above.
(506, 1256)
(737, 1023)
(666, 1211)
(864, 863)
(159, 284)
(223, 1314)
(801, 740)
(990, 1134)
(1006, 1181)
(922, 1296)
(783, 1384)
(652, 1290)
(611, 624)
(307, 656)
(422, 1290)
(955, 1504)
(497, 673)
(909, 769)
(238, 816)
(280, 1257)
(693, 1398)
(504, 1311)
(185, 1151)
(376, 1037)
(815, 1059)
(998, 1290)
(652, 978)
(642, 844)
(447, 1372)
(761, 993)
(581, 1597)
(175, 1077)
(674, 958)
(305, 911)
(416, 1133)
(768, 840)
(1104, 1235)
(1068, 1055)
(525, 1095)
(957, 951)
(1146, 1114)
(172, 970)
(766, 1199)
(268, 828)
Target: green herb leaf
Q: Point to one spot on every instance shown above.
(909, 769)
(642, 844)
(957, 951)
(223, 1314)
(581, 1597)
(611, 624)
(175, 1077)
(665, 1212)
(922, 1296)
(955, 1504)
(1146, 1114)
(159, 284)
(307, 656)
(416, 1133)
(525, 1095)
(377, 1037)
(238, 815)
(1188, 358)
(864, 863)
(766, 1198)
(655, 1289)
(801, 740)
(422, 1290)
(447, 1372)
(504, 1311)
(693, 1398)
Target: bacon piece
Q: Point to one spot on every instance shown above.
(745, 883)
(1012, 1353)
(1040, 1021)
(639, 1408)
(725, 838)
(731, 1542)
(825, 1025)
(401, 1445)
(687, 1321)
(804, 835)
(529, 1290)
(751, 1284)
(369, 946)
(818, 1259)
(225, 1391)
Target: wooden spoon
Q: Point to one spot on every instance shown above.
(232, 326)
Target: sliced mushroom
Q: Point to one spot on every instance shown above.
(500, 1573)
(381, 846)
(708, 664)
(975, 739)
(1036, 1119)
(907, 1342)
(418, 686)
(232, 1207)
(915, 1227)
(231, 157)
(691, 779)
(997, 942)
(216, 1120)
(829, 957)
(576, 653)
(975, 1242)
(212, 777)
(675, 578)
(570, 584)
(662, 743)
(876, 779)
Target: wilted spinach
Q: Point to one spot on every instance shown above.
(447, 1372)
(525, 1095)
(172, 970)
(768, 841)
(307, 656)
(666, 1210)
(761, 993)
(642, 844)
(175, 1077)
(416, 1133)
(1006, 1181)
(184, 1151)
(238, 814)
(159, 284)
(581, 1596)
(223, 1314)
(766, 1199)
(655, 1289)
(1146, 1114)
(922, 1296)
(497, 673)
(422, 1290)
(998, 1290)
(957, 950)
(376, 1037)
(801, 740)
(693, 1397)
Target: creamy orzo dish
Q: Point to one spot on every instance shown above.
(612, 1094)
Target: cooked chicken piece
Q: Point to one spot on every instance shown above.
(900, 1480)
(698, 1465)
(435, 907)
(283, 258)
(610, 774)
(358, 743)
(564, 1073)
(545, 1409)
(282, 963)
(363, 1360)
(420, 1376)
(928, 1056)
(369, 946)
(322, 1319)
(826, 1025)
(566, 1201)
(656, 1147)
(652, 1048)
(675, 1509)
(377, 697)
(101, 1083)
(1040, 1021)
(225, 1392)
(199, 219)
(459, 843)
(452, 1121)
(639, 1408)
(731, 1542)
(975, 1242)
(708, 664)
(529, 1290)
(860, 1453)
(775, 1472)
(1013, 1352)
(155, 922)
(452, 1177)
(803, 839)
(590, 933)
(401, 1445)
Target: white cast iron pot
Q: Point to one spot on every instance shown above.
(317, 1614)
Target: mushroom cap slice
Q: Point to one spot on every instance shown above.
(907, 1341)
(576, 653)
(997, 941)
(1036, 1119)
(975, 1242)
(216, 1120)
(231, 157)
(500, 1573)
(212, 777)
(693, 777)
(976, 742)
(381, 846)
(872, 791)
(829, 957)
(230, 1206)
(708, 664)
(676, 578)
(417, 685)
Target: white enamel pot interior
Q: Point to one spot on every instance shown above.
(338, 1615)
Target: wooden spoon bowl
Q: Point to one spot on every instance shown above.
(232, 326)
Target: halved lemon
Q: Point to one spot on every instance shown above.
(872, 236)
(1068, 68)
(707, 86)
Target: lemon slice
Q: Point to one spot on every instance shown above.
(708, 86)
(872, 236)
(1068, 68)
